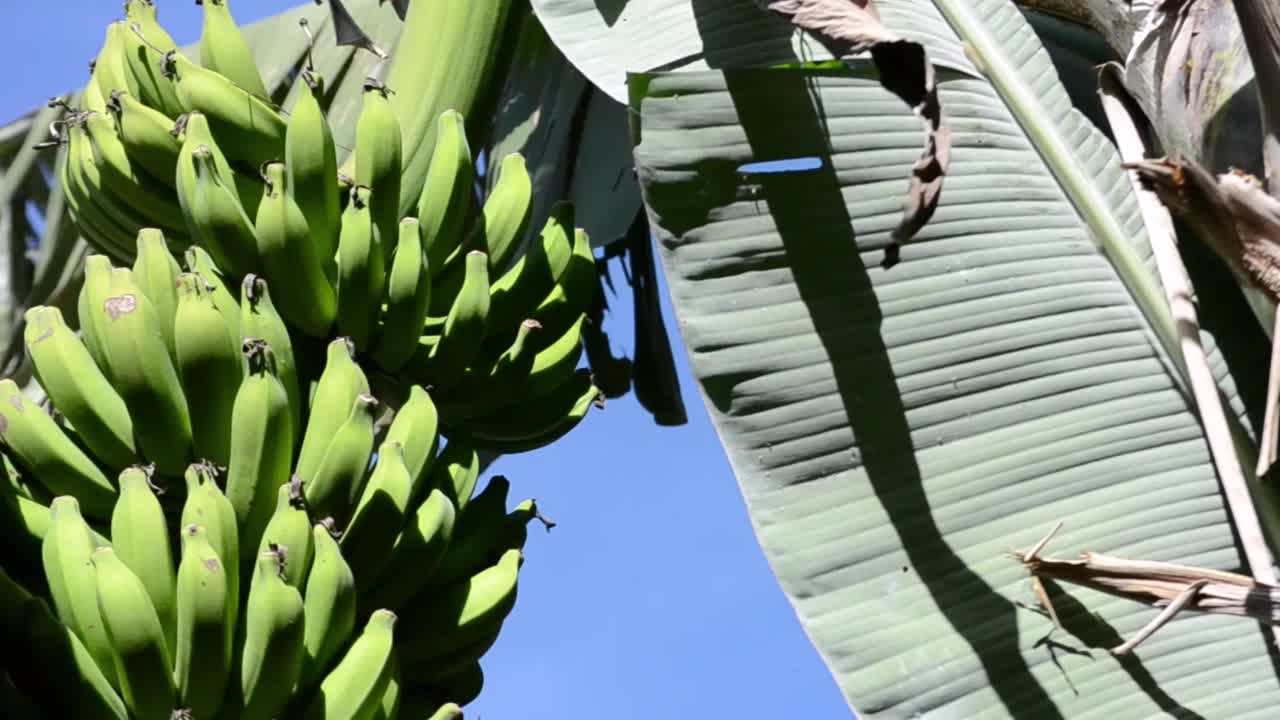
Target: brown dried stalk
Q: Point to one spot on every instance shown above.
(1174, 587)
(1241, 223)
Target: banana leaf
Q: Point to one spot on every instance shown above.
(895, 433)
(38, 237)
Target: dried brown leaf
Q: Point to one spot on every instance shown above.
(849, 27)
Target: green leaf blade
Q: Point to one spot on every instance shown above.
(896, 433)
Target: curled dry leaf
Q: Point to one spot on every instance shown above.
(849, 27)
(1159, 584)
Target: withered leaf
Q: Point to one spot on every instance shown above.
(848, 27)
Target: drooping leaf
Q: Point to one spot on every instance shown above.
(603, 186)
(656, 383)
(895, 433)
(401, 7)
(349, 32)
(606, 39)
(1189, 71)
(536, 116)
(25, 193)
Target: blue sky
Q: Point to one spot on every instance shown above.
(651, 598)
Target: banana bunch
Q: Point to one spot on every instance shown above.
(388, 619)
(446, 297)
(280, 482)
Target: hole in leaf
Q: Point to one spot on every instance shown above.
(788, 165)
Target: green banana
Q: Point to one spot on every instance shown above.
(148, 197)
(460, 614)
(207, 507)
(261, 444)
(248, 127)
(407, 302)
(537, 424)
(109, 73)
(114, 217)
(389, 706)
(142, 661)
(311, 164)
(24, 524)
(481, 392)
(289, 532)
(563, 305)
(66, 553)
(94, 292)
(145, 43)
(140, 538)
(330, 608)
(553, 366)
(341, 382)
(46, 453)
(217, 219)
(464, 686)
(17, 484)
(456, 471)
(273, 645)
(193, 131)
(147, 135)
(224, 51)
(478, 533)
(419, 366)
(28, 516)
(447, 194)
(516, 531)
(520, 289)
(202, 658)
(102, 233)
(378, 157)
(55, 666)
(91, 97)
(156, 273)
(379, 515)
(464, 327)
(288, 253)
(415, 428)
(470, 36)
(210, 366)
(337, 480)
(355, 686)
(506, 212)
(96, 229)
(361, 274)
(425, 706)
(77, 387)
(439, 671)
(416, 554)
(572, 295)
(143, 374)
(259, 319)
(199, 262)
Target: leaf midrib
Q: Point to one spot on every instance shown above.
(1048, 141)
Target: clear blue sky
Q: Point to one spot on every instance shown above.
(651, 599)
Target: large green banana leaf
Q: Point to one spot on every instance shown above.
(897, 432)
